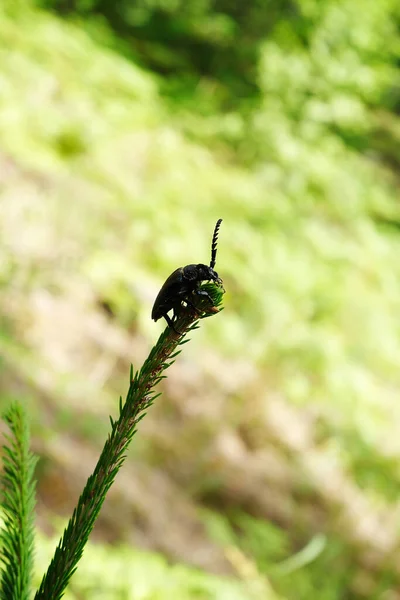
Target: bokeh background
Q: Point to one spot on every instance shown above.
(269, 468)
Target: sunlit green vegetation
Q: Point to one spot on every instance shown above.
(126, 129)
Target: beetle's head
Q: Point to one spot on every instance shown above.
(206, 273)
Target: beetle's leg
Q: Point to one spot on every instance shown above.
(205, 294)
(190, 303)
(171, 323)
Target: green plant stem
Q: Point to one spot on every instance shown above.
(140, 396)
(17, 534)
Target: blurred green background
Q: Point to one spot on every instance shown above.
(269, 468)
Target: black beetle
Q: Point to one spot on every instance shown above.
(182, 283)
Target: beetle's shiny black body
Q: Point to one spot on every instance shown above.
(179, 285)
(184, 282)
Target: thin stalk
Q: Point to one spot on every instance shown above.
(18, 504)
(140, 396)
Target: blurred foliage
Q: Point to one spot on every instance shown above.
(127, 128)
(121, 573)
(298, 576)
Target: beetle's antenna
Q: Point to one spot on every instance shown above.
(214, 243)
